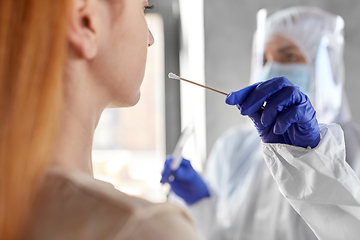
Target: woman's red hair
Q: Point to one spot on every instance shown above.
(32, 56)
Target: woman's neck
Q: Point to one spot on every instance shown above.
(74, 144)
(83, 105)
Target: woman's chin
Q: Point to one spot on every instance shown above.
(130, 102)
(135, 100)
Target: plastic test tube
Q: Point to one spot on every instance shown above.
(176, 156)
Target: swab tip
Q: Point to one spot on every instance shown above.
(173, 76)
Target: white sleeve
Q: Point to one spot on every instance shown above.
(202, 212)
(319, 184)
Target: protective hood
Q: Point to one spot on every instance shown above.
(319, 36)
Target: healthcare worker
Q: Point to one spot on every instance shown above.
(238, 197)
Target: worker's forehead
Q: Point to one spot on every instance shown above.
(280, 43)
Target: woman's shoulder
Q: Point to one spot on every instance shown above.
(73, 205)
(159, 221)
(85, 185)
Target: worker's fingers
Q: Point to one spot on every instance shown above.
(299, 121)
(237, 98)
(263, 131)
(256, 118)
(165, 176)
(166, 171)
(301, 113)
(185, 172)
(280, 100)
(262, 93)
(168, 160)
(287, 117)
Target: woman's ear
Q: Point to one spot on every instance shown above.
(81, 32)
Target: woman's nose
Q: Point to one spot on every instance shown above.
(151, 39)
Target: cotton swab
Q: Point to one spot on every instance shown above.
(174, 76)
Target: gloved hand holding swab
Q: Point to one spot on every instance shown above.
(174, 76)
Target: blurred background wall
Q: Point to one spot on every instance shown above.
(229, 28)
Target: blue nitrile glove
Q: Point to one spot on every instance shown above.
(185, 181)
(288, 116)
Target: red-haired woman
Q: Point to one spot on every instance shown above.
(62, 62)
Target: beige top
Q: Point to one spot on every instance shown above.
(73, 205)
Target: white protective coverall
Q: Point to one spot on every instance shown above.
(319, 184)
(245, 201)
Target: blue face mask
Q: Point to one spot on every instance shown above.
(297, 73)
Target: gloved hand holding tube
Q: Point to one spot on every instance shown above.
(186, 182)
(288, 116)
